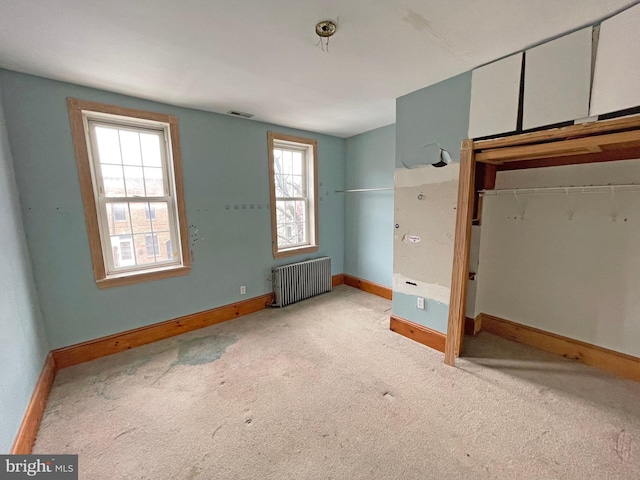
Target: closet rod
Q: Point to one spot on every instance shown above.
(583, 189)
(363, 190)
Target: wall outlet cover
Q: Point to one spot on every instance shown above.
(420, 303)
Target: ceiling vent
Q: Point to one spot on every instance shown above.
(236, 113)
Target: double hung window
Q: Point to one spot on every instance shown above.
(131, 179)
(293, 185)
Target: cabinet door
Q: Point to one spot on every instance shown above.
(615, 83)
(495, 93)
(557, 80)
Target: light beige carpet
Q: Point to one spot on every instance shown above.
(323, 390)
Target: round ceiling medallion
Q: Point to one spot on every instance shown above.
(326, 28)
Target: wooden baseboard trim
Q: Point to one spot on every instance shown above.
(614, 362)
(101, 347)
(419, 333)
(472, 325)
(367, 286)
(28, 431)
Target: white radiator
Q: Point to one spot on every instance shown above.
(301, 280)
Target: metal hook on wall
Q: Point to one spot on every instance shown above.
(614, 213)
(520, 207)
(570, 210)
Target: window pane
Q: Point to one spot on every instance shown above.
(139, 218)
(282, 239)
(300, 214)
(119, 212)
(162, 254)
(171, 253)
(298, 187)
(112, 180)
(289, 185)
(127, 250)
(280, 212)
(122, 250)
(153, 181)
(143, 245)
(150, 145)
(297, 233)
(290, 211)
(108, 145)
(134, 181)
(130, 147)
(291, 236)
(280, 185)
(152, 247)
(286, 162)
(297, 163)
(118, 218)
(277, 162)
(149, 212)
(159, 216)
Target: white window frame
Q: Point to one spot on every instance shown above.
(309, 149)
(85, 116)
(92, 121)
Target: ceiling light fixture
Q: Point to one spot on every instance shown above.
(324, 30)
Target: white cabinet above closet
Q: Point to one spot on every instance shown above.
(615, 84)
(557, 80)
(495, 93)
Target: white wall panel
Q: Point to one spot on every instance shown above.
(616, 84)
(425, 209)
(557, 80)
(495, 92)
(577, 277)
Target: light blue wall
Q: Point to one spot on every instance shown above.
(370, 161)
(225, 163)
(23, 346)
(435, 314)
(438, 113)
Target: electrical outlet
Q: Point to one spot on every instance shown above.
(420, 303)
(243, 290)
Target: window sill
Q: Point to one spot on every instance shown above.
(295, 251)
(132, 278)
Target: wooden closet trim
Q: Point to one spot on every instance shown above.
(608, 140)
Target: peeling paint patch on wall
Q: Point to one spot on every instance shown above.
(426, 175)
(408, 286)
(425, 210)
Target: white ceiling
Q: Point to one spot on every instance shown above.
(260, 56)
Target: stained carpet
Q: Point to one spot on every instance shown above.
(324, 390)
